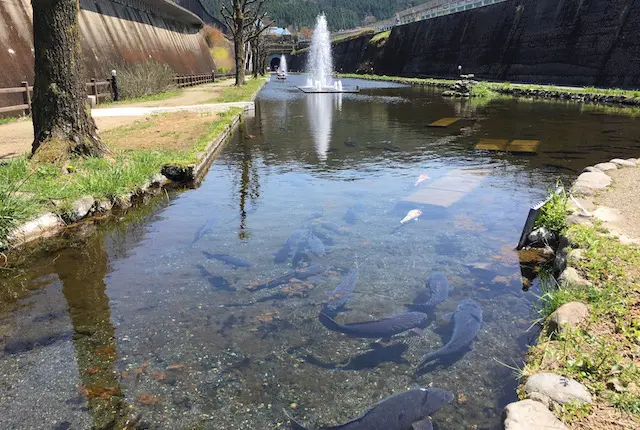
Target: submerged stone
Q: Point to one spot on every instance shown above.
(558, 388)
(81, 208)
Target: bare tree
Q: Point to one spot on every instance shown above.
(244, 18)
(62, 123)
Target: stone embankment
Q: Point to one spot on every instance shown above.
(545, 393)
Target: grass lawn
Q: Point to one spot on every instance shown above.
(139, 152)
(233, 94)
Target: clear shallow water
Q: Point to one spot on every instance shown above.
(125, 317)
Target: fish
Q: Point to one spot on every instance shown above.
(350, 143)
(467, 320)
(421, 179)
(315, 245)
(350, 217)
(228, 259)
(411, 215)
(204, 229)
(384, 328)
(391, 148)
(332, 226)
(301, 274)
(316, 214)
(215, 281)
(290, 245)
(402, 411)
(342, 294)
(438, 287)
(326, 239)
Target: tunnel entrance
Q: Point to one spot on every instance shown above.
(275, 63)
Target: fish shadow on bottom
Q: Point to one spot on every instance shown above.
(367, 360)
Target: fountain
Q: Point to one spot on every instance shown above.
(320, 63)
(282, 68)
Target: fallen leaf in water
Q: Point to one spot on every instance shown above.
(158, 376)
(108, 351)
(92, 371)
(250, 136)
(267, 317)
(142, 369)
(176, 366)
(127, 374)
(462, 399)
(96, 391)
(147, 399)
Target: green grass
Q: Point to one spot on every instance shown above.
(11, 119)
(489, 89)
(553, 215)
(600, 354)
(233, 94)
(380, 37)
(341, 39)
(150, 98)
(27, 191)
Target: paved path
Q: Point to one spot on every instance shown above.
(144, 111)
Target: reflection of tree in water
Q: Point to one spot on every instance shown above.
(82, 271)
(249, 182)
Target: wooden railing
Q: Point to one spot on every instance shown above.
(102, 90)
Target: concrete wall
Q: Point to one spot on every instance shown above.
(114, 32)
(565, 42)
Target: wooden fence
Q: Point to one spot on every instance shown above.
(102, 90)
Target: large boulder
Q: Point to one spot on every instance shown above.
(530, 415)
(606, 166)
(571, 277)
(558, 388)
(593, 180)
(568, 315)
(623, 163)
(81, 208)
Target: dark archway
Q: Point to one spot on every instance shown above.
(275, 63)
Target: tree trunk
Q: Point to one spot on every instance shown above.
(255, 58)
(62, 123)
(238, 44)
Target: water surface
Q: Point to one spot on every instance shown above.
(134, 314)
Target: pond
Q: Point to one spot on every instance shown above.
(162, 311)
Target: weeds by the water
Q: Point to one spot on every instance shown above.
(553, 215)
(10, 119)
(380, 37)
(601, 353)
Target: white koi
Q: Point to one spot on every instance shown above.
(421, 179)
(413, 214)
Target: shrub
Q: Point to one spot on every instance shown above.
(553, 215)
(213, 36)
(143, 79)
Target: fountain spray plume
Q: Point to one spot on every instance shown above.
(283, 65)
(320, 63)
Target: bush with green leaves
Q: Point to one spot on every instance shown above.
(553, 215)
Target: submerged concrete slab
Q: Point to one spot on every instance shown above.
(492, 144)
(524, 146)
(515, 146)
(449, 189)
(444, 122)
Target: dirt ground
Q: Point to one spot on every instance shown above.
(175, 130)
(16, 137)
(623, 196)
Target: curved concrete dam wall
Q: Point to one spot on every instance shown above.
(565, 42)
(113, 33)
